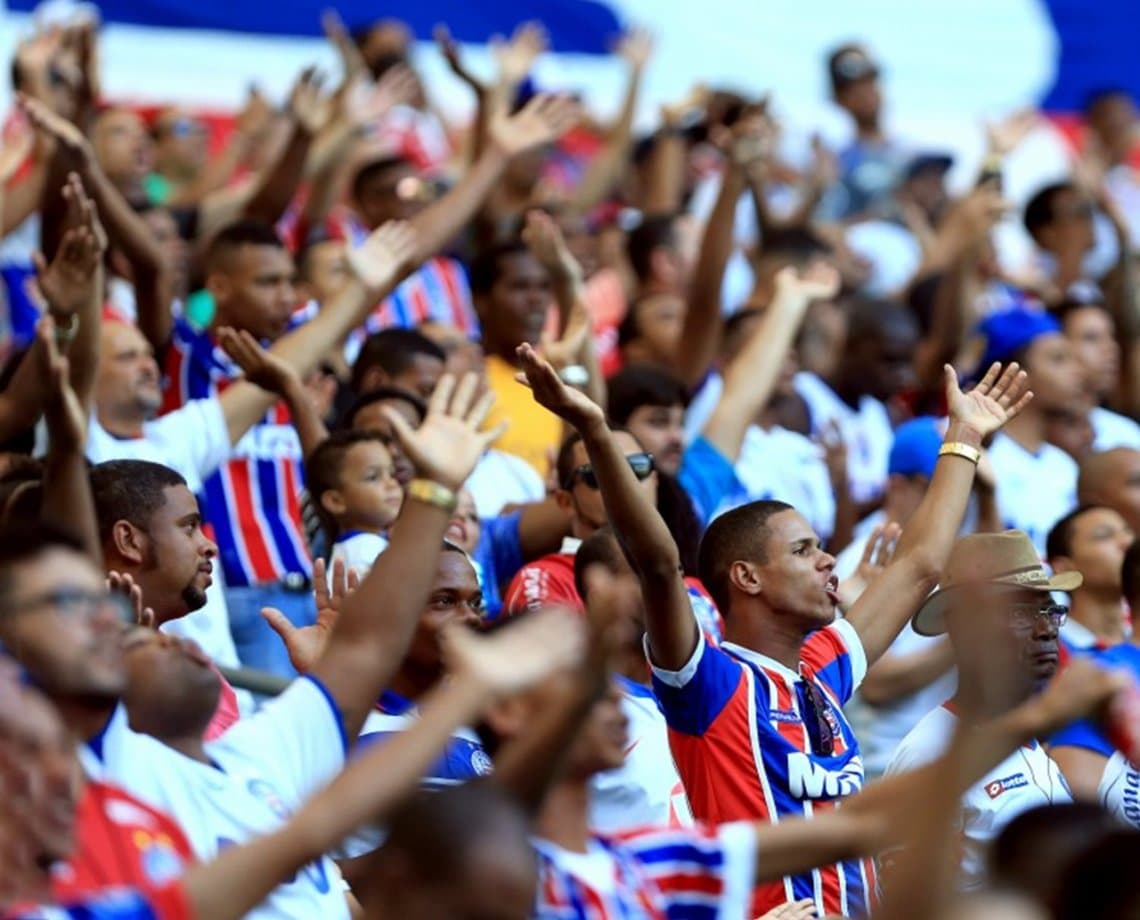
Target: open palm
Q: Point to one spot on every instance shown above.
(999, 396)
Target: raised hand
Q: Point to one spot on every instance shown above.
(999, 396)
(256, 115)
(351, 60)
(543, 237)
(518, 656)
(57, 128)
(68, 283)
(124, 584)
(260, 366)
(1007, 134)
(818, 281)
(17, 148)
(877, 555)
(636, 48)
(542, 121)
(450, 51)
(1081, 689)
(63, 413)
(306, 644)
(795, 910)
(384, 256)
(550, 392)
(307, 106)
(516, 57)
(446, 447)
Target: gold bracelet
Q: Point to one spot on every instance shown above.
(958, 449)
(434, 494)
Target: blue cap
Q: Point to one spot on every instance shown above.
(916, 446)
(1010, 331)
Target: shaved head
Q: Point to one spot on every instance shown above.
(1112, 479)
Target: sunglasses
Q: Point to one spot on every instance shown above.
(820, 735)
(1025, 616)
(641, 464)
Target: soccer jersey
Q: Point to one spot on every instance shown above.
(357, 550)
(696, 873)
(1034, 490)
(739, 731)
(546, 581)
(1027, 779)
(253, 501)
(1112, 430)
(646, 790)
(261, 772)
(121, 842)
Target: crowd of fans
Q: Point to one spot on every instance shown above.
(402, 519)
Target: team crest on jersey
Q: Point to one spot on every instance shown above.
(480, 762)
(159, 860)
(1001, 786)
(832, 722)
(261, 790)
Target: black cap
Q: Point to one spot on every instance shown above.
(928, 162)
(849, 64)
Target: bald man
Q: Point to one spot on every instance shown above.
(1112, 479)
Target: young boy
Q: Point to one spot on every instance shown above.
(352, 481)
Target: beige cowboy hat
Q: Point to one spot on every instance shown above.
(1000, 559)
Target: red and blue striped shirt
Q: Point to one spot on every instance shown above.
(252, 502)
(695, 873)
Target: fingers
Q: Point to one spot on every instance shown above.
(279, 623)
(441, 395)
(404, 432)
(872, 544)
(482, 408)
(463, 397)
(339, 579)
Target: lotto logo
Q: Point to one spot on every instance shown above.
(1005, 784)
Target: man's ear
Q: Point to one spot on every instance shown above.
(745, 577)
(372, 379)
(333, 502)
(565, 501)
(219, 286)
(129, 542)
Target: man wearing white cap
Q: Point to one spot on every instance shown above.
(995, 604)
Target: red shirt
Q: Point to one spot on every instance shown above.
(120, 842)
(542, 583)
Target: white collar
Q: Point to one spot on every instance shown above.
(570, 546)
(760, 660)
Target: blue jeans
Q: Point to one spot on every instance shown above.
(258, 646)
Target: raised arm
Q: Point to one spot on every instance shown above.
(672, 628)
(378, 621)
(750, 378)
(883, 609)
(479, 670)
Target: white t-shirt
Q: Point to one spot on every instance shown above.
(265, 767)
(785, 466)
(501, 479)
(1034, 491)
(193, 441)
(646, 791)
(867, 432)
(357, 550)
(1028, 778)
(1112, 430)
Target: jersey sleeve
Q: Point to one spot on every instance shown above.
(1083, 734)
(1119, 790)
(694, 696)
(702, 867)
(499, 550)
(298, 738)
(836, 655)
(708, 476)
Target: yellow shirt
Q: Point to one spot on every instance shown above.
(534, 434)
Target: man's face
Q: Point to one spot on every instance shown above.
(660, 430)
(369, 495)
(123, 147)
(1071, 430)
(60, 624)
(396, 193)
(178, 562)
(602, 741)
(129, 381)
(660, 319)
(39, 770)
(798, 577)
(1055, 374)
(1120, 486)
(421, 377)
(372, 418)
(1114, 121)
(886, 361)
(585, 503)
(863, 99)
(326, 270)
(254, 291)
(821, 340)
(1092, 336)
(172, 688)
(1005, 635)
(514, 310)
(1071, 230)
(455, 598)
(1099, 540)
(180, 142)
(175, 252)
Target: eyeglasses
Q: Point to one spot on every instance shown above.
(820, 734)
(1025, 616)
(641, 464)
(74, 603)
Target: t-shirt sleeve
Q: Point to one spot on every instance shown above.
(694, 696)
(1119, 790)
(705, 866)
(298, 738)
(198, 431)
(1083, 734)
(708, 476)
(836, 655)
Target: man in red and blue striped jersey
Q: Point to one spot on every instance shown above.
(756, 725)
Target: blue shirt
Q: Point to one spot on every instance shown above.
(1087, 733)
(709, 478)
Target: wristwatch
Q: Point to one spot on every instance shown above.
(574, 376)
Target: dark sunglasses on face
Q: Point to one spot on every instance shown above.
(641, 464)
